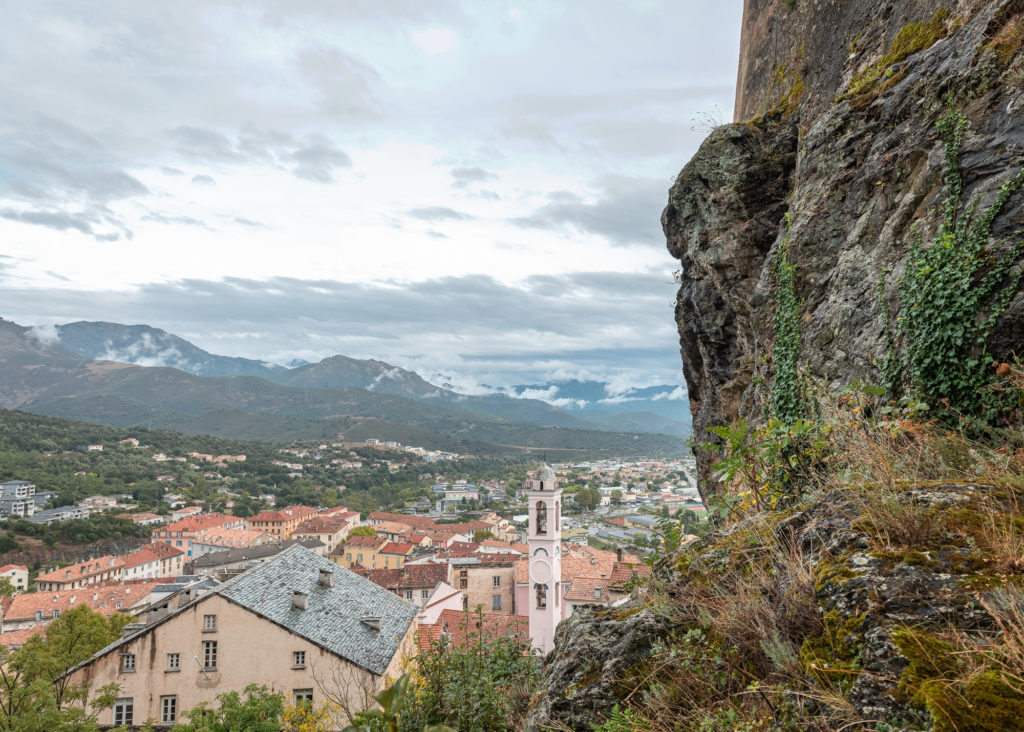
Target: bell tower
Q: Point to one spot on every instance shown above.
(545, 541)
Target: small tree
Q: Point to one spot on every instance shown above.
(362, 531)
(482, 535)
(616, 497)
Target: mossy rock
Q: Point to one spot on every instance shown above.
(986, 703)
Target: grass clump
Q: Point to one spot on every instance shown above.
(911, 39)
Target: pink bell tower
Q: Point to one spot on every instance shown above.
(545, 541)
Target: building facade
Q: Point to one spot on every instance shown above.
(544, 536)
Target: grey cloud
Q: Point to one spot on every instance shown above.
(317, 160)
(464, 176)
(627, 211)
(185, 220)
(203, 180)
(168, 170)
(250, 222)
(60, 220)
(437, 213)
(342, 81)
(206, 145)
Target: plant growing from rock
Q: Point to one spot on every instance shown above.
(953, 292)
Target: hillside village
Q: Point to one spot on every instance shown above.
(413, 575)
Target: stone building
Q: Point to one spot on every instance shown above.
(324, 634)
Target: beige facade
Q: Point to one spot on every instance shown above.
(173, 665)
(490, 586)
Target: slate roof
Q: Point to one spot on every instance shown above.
(231, 556)
(334, 616)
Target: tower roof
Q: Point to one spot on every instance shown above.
(544, 472)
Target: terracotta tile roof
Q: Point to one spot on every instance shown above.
(359, 569)
(82, 569)
(9, 567)
(393, 527)
(417, 522)
(161, 549)
(17, 638)
(623, 572)
(321, 525)
(469, 526)
(424, 575)
(427, 636)
(198, 523)
(495, 544)
(231, 538)
(103, 598)
(462, 627)
(463, 546)
(588, 589)
(143, 556)
(386, 578)
(366, 541)
(393, 548)
(287, 513)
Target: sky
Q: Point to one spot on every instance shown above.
(468, 189)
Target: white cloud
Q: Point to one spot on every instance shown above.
(436, 40)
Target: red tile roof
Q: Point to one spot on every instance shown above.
(103, 598)
(82, 569)
(462, 627)
(393, 548)
(624, 572)
(285, 514)
(17, 638)
(9, 567)
(197, 523)
(588, 589)
(366, 541)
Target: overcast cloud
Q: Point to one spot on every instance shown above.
(471, 189)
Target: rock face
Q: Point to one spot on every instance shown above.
(840, 100)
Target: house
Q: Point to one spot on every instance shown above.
(330, 529)
(154, 560)
(413, 582)
(97, 504)
(444, 597)
(217, 539)
(41, 608)
(16, 498)
(108, 568)
(461, 627)
(281, 523)
(233, 561)
(324, 633)
(181, 534)
(488, 581)
(64, 513)
(185, 512)
(146, 519)
(17, 575)
(359, 550)
(393, 555)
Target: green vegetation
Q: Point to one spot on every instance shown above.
(952, 294)
(911, 39)
(34, 693)
(786, 402)
(484, 684)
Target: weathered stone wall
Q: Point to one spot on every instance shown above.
(857, 173)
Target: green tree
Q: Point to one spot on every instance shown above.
(362, 531)
(35, 693)
(616, 497)
(483, 684)
(482, 535)
(6, 588)
(256, 709)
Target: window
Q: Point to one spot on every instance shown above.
(359, 558)
(209, 623)
(168, 708)
(495, 602)
(123, 709)
(542, 595)
(408, 594)
(173, 661)
(348, 556)
(298, 659)
(127, 663)
(542, 518)
(495, 581)
(425, 594)
(303, 696)
(463, 583)
(209, 655)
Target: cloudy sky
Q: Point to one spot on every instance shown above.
(471, 189)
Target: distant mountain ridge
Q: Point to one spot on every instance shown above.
(39, 375)
(570, 404)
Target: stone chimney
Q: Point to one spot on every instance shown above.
(327, 577)
(300, 600)
(618, 554)
(371, 622)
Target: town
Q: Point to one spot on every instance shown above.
(363, 592)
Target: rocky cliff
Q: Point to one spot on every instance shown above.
(836, 111)
(886, 592)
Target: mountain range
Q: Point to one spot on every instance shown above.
(134, 374)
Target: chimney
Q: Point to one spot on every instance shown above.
(300, 600)
(371, 622)
(327, 577)
(132, 629)
(618, 555)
